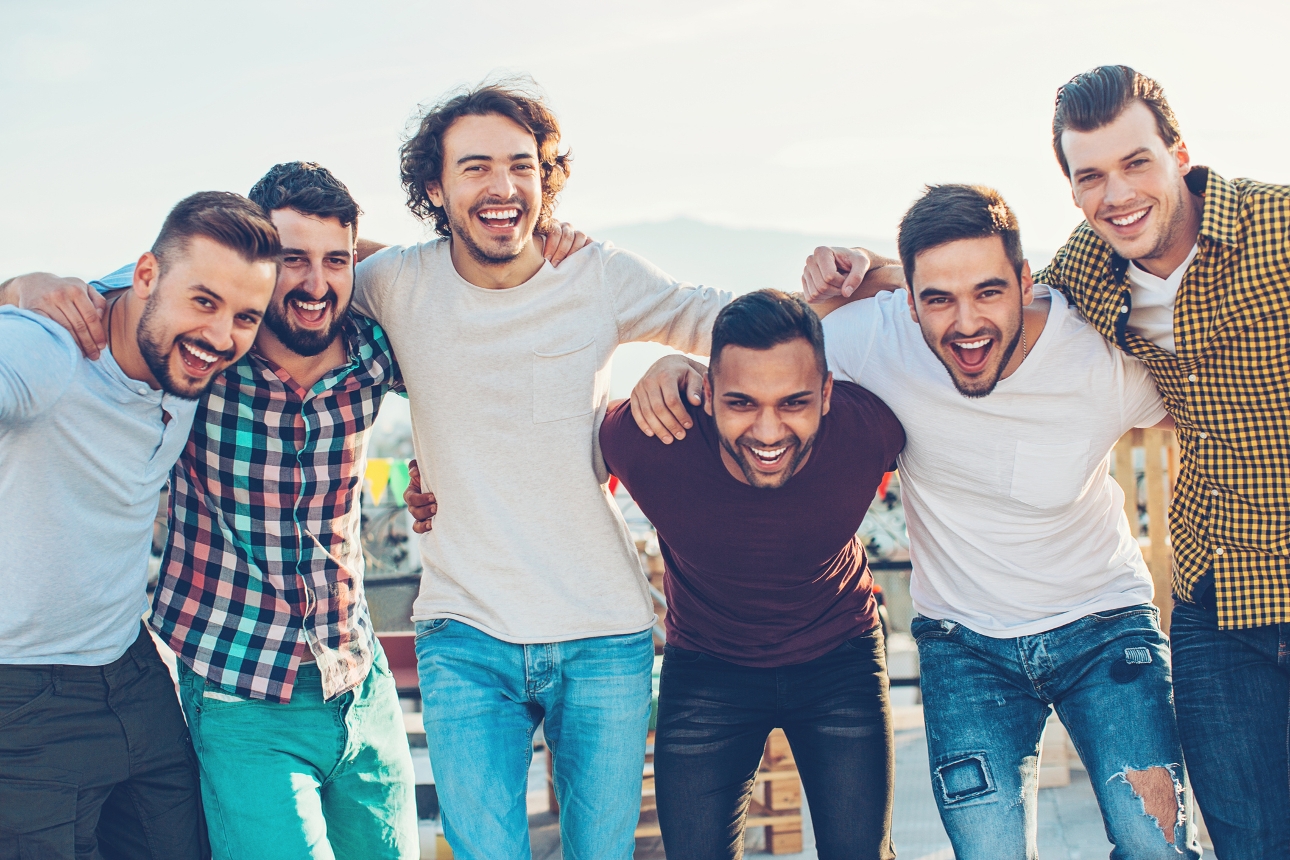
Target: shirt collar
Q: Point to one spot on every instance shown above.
(1222, 206)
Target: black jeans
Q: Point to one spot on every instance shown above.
(713, 720)
(96, 762)
(1232, 697)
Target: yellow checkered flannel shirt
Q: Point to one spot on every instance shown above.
(1228, 389)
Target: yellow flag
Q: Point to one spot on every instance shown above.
(378, 476)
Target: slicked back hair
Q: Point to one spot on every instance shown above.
(950, 213)
(765, 319)
(517, 99)
(1097, 97)
(225, 218)
(309, 189)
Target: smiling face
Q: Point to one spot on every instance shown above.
(491, 187)
(767, 405)
(1130, 186)
(967, 299)
(315, 282)
(201, 315)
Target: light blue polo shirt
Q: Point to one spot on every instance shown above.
(84, 452)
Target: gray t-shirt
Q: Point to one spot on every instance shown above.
(507, 390)
(84, 452)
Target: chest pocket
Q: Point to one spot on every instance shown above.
(564, 383)
(1047, 475)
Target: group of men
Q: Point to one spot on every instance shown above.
(998, 399)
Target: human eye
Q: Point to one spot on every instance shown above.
(204, 302)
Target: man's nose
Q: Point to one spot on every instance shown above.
(768, 427)
(1118, 190)
(218, 332)
(501, 184)
(968, 319)
(315, 283)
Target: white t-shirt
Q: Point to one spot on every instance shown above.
(1151, 316)
(507, 389)
(1015, 525)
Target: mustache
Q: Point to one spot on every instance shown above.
(204, 346)
(303, 296)
(515, 202)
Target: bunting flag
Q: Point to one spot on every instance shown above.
(378, 477)
(399, 479)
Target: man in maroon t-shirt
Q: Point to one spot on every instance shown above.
(771, 617)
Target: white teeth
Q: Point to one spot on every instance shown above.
(769, 454)
(976, 344)
(1126, 220)
(311, 306)
(500, 214)
(204, 356)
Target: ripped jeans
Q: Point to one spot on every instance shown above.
(986, 700)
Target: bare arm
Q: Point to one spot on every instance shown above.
(834, 277)
(656, 400)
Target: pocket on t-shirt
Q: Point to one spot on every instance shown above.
(1046, 475)
(564, 383)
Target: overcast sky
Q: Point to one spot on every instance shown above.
(807, 116)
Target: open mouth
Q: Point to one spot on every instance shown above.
(198, 362)
(971, 355)
(1129, 222)
(311, 313)
(768, 459)
(500, 217)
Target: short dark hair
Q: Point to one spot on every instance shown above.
(949, 213)
(1097, 98)
(308, 188)
(765, 319)
(517, 99)
(223, 217)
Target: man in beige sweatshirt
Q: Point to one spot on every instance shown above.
(533, 605)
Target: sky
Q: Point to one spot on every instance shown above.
(814, 117)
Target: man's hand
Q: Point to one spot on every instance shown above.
(656, 400)
(834, 272)
(70, 302)
(422, 505)
(561, 241)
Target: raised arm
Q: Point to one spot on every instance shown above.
(70, 302)
(834, 277)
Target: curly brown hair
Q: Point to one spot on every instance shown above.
(517, 99)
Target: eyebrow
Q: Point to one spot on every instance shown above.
(519, 156)
(795, 396)
(302, 252)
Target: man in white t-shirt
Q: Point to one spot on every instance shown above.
(1031, 591)
(533, 605)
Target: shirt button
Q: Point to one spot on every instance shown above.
(1218, 551)
(1191, 377)
(1213, 492)
(1124, 309)
(1204, 435)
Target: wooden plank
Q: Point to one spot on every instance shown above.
(781, 839)
(778, 751)
(784, 795)
(1160, 554)
(1125, 478)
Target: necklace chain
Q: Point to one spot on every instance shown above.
(1024, 350)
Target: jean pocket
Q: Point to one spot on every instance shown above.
(682, 656)
(427, 628)
(37, 818)
(16, 710)
(564, 383)
(1126, 612)
(922, 627)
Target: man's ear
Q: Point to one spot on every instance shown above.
(707, 392)
(913, 307)
(1027, 284)
(828, 393)
(434, 190)
(147, 272)
(1183, 157)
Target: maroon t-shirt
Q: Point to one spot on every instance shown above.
(754, 576)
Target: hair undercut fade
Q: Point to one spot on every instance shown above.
(1097, 97)
(308, 188)
(766, 319)
(516, 99)
(225, 218)
(949, 213)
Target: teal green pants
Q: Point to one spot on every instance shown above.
(307, 779)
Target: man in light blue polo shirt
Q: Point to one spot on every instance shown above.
(95, 759)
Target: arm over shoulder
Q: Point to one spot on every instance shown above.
(38, 360)
(849, 336)
(650, 305)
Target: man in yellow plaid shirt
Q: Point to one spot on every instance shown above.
(1190, 273)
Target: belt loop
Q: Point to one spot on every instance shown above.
(56, 678)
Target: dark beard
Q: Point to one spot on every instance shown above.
(157, 356)
(303, 342)
(477, 253)
(751, 475)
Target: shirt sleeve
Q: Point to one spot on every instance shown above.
(1142, 406)
(650, 305)
(117, 280)
(849, 335)
(611, 435)
(38, 360)
(373, 279)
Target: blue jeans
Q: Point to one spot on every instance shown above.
(986, 702)
(483, 700)
(1233, 690)
(306, 778)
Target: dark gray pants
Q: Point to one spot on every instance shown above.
(96, 762)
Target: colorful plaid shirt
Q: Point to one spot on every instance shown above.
(1228, 388)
